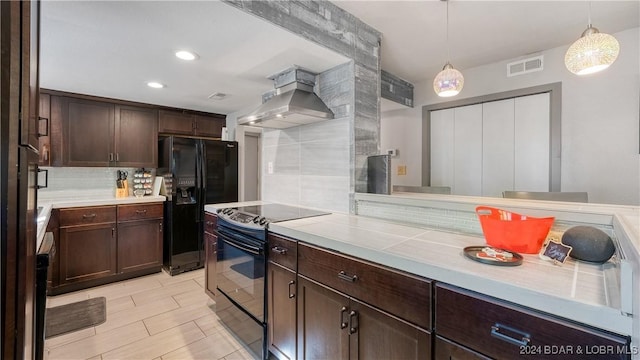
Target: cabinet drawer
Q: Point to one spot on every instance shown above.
(501, 330)
(404, 295)
(445, 349)
(87, 215)
(283, 251)
(210, 223)
(139, 211)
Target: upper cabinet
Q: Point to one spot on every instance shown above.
(190, 123)
(98, 133)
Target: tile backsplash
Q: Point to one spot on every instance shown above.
(82, 178)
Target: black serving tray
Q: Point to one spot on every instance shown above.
(477, 253)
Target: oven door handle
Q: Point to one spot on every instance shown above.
(248, 248)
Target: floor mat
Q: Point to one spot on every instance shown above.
(76, 316)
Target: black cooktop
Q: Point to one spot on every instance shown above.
(279, 212)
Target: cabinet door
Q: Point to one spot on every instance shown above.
(30, 79)
(87, 134)
(281, 302)
(211, 244)
(139, 245)
(87, 252)
(175, 122)
(209, 126)
(378, 335)
(497, 147)
(44, 126)
(467, 156)
(322, 322)
(136, 140)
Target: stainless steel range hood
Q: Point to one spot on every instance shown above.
(291, 103)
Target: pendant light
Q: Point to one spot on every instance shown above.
(449, 81)
(592, 52)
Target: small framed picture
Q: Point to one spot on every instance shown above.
(555, 251)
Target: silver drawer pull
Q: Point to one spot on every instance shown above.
(88, 216)
(279, 250)
(140, 212)
(292, 294)
(344, 276)
(495, 332)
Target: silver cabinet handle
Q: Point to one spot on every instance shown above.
(292, 294)
(344, 276)
(495, 332)
(343, 322)
(279, 250)
(353, 322)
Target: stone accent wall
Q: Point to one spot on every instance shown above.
(328, 25)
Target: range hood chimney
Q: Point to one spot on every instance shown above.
(291, 103)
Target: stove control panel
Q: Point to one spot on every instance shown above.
(242, 218)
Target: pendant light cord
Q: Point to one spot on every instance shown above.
(589, 14)
(448, 56)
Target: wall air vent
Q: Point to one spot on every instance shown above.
(525, 66)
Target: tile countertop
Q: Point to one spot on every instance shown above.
(66, 199)
(573, 291)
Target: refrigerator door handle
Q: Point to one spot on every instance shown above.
(198, 189)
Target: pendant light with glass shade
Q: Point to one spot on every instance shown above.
(592, 52)
(449, 81)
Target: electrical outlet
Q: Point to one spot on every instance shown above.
(270, 167)
(402, 169)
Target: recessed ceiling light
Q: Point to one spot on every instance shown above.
(155, 85)
(186, 55)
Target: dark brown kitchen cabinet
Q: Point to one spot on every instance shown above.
(136, 136)
(139, 237)
(44, 129)
(190, 123)
(101, 133)
(87, 131)
(101, 244)
(359, 309)
(211, 254)
(502, 330)
(448, 350)
(87, 246)
(334, 326)
(281, 297)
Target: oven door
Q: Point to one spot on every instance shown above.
(241, 271)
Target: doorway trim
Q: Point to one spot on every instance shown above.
(241, 132)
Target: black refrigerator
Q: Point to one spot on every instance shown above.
(196, 172)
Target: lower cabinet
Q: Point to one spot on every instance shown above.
(281, 302)
(502, 330)
(87, 252)
(100, 244)
(211, 255)
(448, 350)
(334, 326)
(139, 245)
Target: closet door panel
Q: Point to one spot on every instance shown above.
(532, 134)
(442, 122)
(497, 147)
(467, 158)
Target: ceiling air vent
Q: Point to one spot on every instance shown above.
(525, 66)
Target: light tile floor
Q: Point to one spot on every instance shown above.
(156, 317)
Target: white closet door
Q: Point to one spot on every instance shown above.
(497, 147)
(532, 136)
(442, 148)
(467, 156)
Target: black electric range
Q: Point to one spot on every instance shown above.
(241, 268)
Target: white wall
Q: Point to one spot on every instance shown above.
(600, 120)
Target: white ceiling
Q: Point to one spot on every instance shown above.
(481, 32)
(113, 48)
